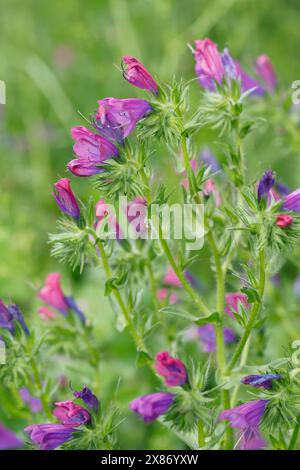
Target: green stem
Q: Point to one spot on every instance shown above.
(253, 315)
(137, 338)
(294, 437)
(43, 397)
(201, 435)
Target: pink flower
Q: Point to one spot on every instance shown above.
(210, 188)
(284, 220)
(209, 68)
(117, 118)
(92, 151)
(65, 198)
(172, 369)
(233, 299)
(52, 293)
(265, 70)
(46, 313)
(104, 211)
(70, 414)
(164, 293)
(171, 278)
(137, 74)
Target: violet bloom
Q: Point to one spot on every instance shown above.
(49, 436)
(65, 198)
(34, 403)
(232, 302)
(208, 158)
(246, 418)
(151, 406)
(206, 334)
(8, 439)
(261, 381)
(172, 369)
(265, 70)
(117, 118)
(209, 67)
(137, 74)
(291, 202)
(92, 151)
(8, 315)
(88, 398)
(265, 185)
(248, 82)
(70, 414)
(229, 65)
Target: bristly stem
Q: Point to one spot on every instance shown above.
(252, 317)
(39, 384)
(137, 338)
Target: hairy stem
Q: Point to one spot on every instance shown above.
(39, 384)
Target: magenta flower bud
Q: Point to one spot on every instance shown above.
(117, 118)
(65, 198)
(92, 151)
(284, 220)
(10, 314)
(8, 439)
(206, 334)
(265, 70)
(88, 398)
(70, 414)
(265, 185)
(52, 293)
(34, 403)
(261, 381)
(246, 418)
(151, 406)
(209, 67)
(291, 202)
(165, 294)
(46, 313)
(248, 82)
(172, 369)
(137, 74)
(49, 436)
(232, 301)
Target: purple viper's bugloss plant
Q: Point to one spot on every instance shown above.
(209, 66)
(265, 185)
(151, 406)
(34, 403)
(87, 396)
(71, 414)
(207, 336)
(10, 314)
(261, 381)
(248, 82)
(8, 439)
(50, 436)
(92, 151)
(172, 369)
(246, 418)
(291, 202)
(232, 302)
(137, 74)
(265, 70)
(65, 199)
(116, 118)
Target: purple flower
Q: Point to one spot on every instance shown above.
(247, 82)
(282, 188)
(246, 418)
(65, 198)
(92, 151)
(209, 67)
(206, 334)
(49, 436)
(73, 306)
(9, 314)
(297, 287)
(232, 302)
(209, 160)
(34, 403)
(151, 406)
(137, 74)
(229, 65)
(71, 414)
(117, 118)
(8, 440)
(172, 369)
(88, 397)
(265, 70)
(265, 185)
(261, 381)
(291, 202)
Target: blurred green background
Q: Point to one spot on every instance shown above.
(59, 57)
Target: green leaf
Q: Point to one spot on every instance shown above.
(212, 318)
(252, 295)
